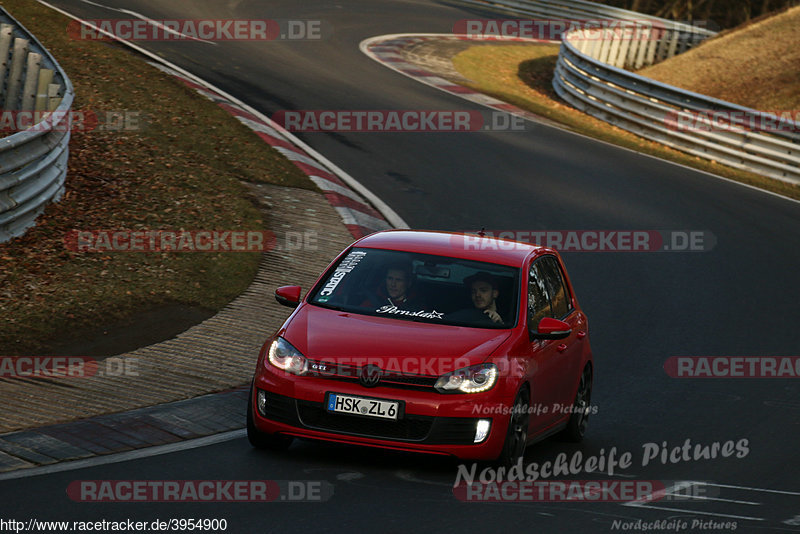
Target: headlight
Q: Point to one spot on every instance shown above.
(472, 379)
(284, 356)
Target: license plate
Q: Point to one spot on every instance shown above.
(381, 409)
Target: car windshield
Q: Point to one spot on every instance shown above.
(421, 287)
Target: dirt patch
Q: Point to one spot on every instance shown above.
(179, 166)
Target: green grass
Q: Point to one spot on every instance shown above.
(523, 74)
(182, 170)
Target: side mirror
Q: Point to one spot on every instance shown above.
(288, 296)
(550, 328)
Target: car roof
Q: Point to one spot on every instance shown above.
(460, 245)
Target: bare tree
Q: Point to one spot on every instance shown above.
(726, 14)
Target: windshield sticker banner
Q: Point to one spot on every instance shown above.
(347, 265)
(394, 310)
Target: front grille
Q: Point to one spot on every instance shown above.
(350, 373)
(410, 428)
(399, 380)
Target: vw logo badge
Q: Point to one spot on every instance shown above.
(370, 376)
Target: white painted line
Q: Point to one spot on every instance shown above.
(482, 98)
(392, 55)
(125, 456)
(675, 487)
(150, 21)
(327, 185)
(394, 219)
(351, 216)
(258, 126)
(433, 81)
(683, 496)
(694, 512)
(685, 484)
(364, 47)
(208, 94)
(409, 476)
(294, 155)
(781, 492)
(403, 65)
(347, 477)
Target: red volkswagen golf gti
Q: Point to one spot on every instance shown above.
(431, 342)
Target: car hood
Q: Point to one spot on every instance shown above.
(411, 347)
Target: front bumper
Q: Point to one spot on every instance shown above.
(431, 422)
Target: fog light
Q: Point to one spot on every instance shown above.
(482, 430)
(261, 402)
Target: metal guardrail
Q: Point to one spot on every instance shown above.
(590, 76)
(34, 90)
(653, 110)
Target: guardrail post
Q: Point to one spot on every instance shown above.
(31, 81)
(606, 41)
(18, 59)
(45, 79)
(626, 37)
(594, 45)
(6, 36)
(673, 45)
(616, 41)
(52, 95)
(644, 44)
(663, 46)
(633, 49)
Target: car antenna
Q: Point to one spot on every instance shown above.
(482, 233)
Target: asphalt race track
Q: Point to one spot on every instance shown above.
(740, 298)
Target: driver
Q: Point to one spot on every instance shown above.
(396, 289)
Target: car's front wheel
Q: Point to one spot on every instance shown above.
(517, 433)
(261, 440)
(576, 427)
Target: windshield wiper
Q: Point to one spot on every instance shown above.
(329, 306)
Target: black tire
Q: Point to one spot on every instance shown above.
(576, 427)
(517, 433)
(261, 440)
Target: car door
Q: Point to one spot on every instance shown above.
(545, 362)
(569, 351)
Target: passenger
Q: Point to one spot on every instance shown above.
(483, 289)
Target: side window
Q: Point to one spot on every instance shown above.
(538, 296)
(560, 300)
